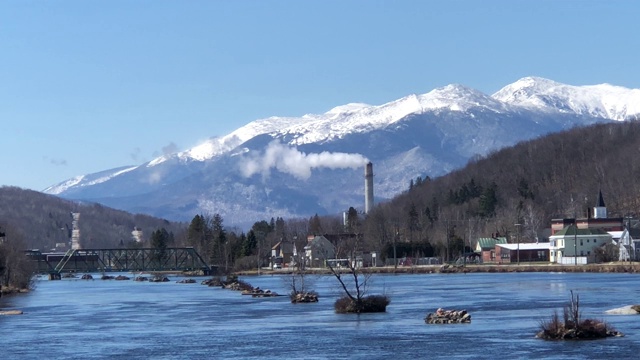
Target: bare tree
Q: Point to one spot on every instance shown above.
(532, 222)
(300, 284)
(353, 281)
(16, 270)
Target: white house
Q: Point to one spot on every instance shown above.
(626, 243)
(572, 242)
(318, 250)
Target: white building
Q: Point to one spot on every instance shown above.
(626, 244)
(136, 235)
(570, 242)
(318, 250)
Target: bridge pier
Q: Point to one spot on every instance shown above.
(55, 276)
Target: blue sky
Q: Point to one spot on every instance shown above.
(87, 86)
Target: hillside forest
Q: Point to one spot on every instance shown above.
(555, 176)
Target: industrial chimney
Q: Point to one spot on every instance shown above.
(368, 187)
(75, 231)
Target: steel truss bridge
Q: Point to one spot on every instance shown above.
(120, 260)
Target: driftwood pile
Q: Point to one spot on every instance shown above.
(442, 316)
(257, 292)
(304, 297)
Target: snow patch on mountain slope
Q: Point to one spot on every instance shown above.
(87, 180)
(342, 120)
(63, 186)
(221, 145)
(603, 101)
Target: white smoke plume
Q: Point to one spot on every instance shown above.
(298, 164)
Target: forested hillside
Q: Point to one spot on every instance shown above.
(555, 176)
(40, 221)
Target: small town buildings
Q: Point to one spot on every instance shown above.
(571, 238)
(523, 252)
(596, 219)
(486, 247)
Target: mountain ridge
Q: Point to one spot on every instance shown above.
(442, 129)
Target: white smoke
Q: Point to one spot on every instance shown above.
(298, 164)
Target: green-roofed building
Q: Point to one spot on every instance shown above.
(573, 245)
(486, 247)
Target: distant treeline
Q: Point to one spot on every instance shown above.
(554, 176)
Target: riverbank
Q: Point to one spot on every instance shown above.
(8, 290)
(616, 267)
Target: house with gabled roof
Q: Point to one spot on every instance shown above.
(573, 245)
(318, 250)
(282, 253)
(486, 247)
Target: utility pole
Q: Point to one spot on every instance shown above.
(447, 224)
(575, 235)
(629, 237)
(464, 252)
(518, 240)
(395, 236)
(260, 237)
(575, 244)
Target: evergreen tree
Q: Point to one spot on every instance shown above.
(489, 201)
(249, 244)
(474, 190)
(197, 236)
(524, 190)
(412, 221)
(280, 228)
(314, 225)
(160, 241)
(219, 239)
(352, 220)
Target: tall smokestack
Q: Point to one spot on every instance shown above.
(75, 231)
(368, 187)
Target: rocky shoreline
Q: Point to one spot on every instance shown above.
(8, 290)
(474, 268)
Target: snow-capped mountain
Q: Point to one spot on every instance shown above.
(300, 166)
(603, 101)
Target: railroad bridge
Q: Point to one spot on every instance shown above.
(119, 260)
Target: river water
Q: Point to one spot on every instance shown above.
(108, 319)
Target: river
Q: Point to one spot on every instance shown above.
(108, 319)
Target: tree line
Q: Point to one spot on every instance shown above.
(555, 176)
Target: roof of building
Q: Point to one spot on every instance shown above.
(284, 246)
(573, 230)
(318, 241)
(526, 246)
(490, 243)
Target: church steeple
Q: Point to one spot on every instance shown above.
(600, 200)
(600, 210)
